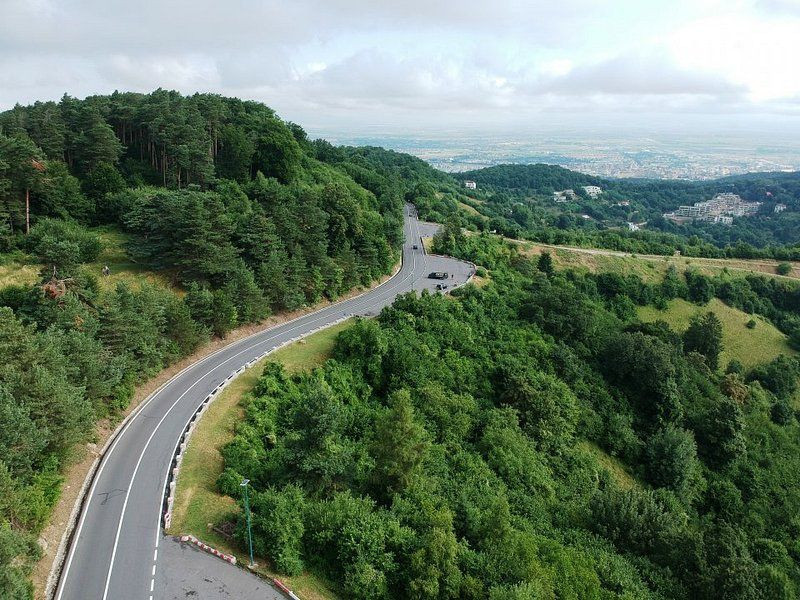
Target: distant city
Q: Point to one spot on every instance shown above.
(666, 156)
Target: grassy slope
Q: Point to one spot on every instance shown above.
(16, 270)
(652, 268)
(470, 210)
(123, 267)
(618, 470)
(749, 346)
(21, 269)
(645, 265)
(197, 503)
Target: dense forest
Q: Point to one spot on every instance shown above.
(453, 447)
(458, 448)
(241, 212)
(518, 200)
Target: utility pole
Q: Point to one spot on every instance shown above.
(244, 484)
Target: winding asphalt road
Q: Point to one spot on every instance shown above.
(118, 550)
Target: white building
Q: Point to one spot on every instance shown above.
(720, 209)
(779, 208)
(470, 185)
(632, 226)
(564, 195)
(593, 191)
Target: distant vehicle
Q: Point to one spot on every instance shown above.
(439, 286)
(438, 275)
(415, 247)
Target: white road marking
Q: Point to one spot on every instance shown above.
(369, 303)
(364, 305)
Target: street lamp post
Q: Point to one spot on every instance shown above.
(244, 484)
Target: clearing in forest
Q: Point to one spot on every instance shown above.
(749, 346)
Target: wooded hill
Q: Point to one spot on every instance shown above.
(453, 448)
(518, 199)
(240, 213)
(532, 438)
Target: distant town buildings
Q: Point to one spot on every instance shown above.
(633, 226)
(592, 191)
(779, 208)
(470, 185)
(623, 203)
(720, 209)
(564, 196)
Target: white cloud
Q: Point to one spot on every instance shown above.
(760, 54)
(779, 7)
(638, 75)
(417, 60)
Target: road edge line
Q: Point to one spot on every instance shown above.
(57, 567)
(171, 481)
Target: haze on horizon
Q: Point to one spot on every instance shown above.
(416, 66)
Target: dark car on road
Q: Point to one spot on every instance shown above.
(438, 275)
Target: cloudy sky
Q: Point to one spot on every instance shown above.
(415, 64)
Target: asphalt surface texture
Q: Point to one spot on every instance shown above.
(118, 550)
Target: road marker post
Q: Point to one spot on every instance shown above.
(244, 484)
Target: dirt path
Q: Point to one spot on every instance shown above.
(764, 266)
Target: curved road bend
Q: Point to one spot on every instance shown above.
(115, 551)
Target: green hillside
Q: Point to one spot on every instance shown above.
(211, 213)
(518, 201)
(750, 347)
(531, 438)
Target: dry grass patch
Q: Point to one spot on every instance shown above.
(18, 273)
(123, 268)
(650, 267)
(470, 210)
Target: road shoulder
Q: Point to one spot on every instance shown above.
(52, 537)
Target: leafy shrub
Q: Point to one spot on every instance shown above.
(62, 243)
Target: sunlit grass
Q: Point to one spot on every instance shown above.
(749, 346)
(124, 269)
(16, 272)
(616, 468)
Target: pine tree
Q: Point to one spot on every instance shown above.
(704, 336)
(399, 445)
(545, 264)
